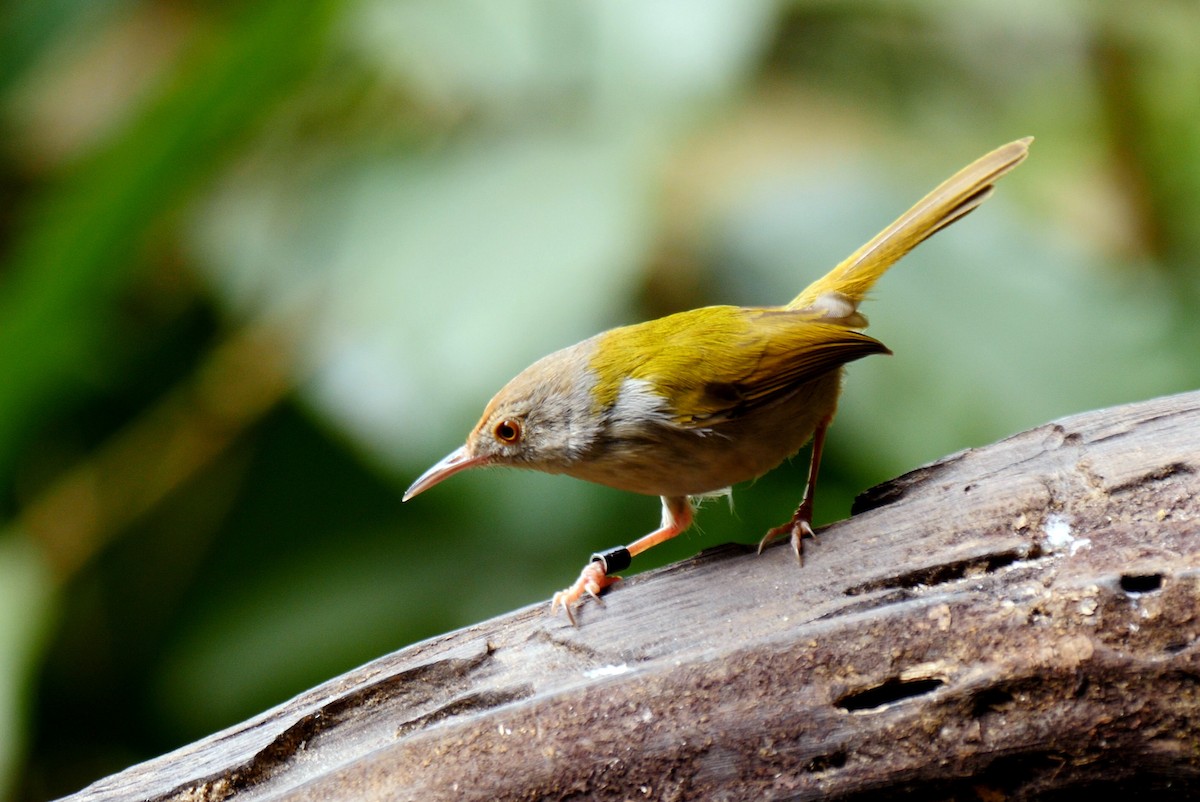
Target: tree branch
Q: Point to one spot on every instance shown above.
(1006, 623)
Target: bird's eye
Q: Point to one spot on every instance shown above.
(508, 431)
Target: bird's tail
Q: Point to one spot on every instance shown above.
(836, 295)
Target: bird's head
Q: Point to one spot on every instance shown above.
(544, 419)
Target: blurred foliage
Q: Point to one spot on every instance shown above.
(262, 262)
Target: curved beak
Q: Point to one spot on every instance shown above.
(452, 463)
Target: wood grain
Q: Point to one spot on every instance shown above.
(1012, 622)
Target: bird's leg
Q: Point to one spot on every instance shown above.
(598, 574)
(801, 522)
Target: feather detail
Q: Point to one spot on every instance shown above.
(836, 295)
(700, 368)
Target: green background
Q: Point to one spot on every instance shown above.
(261, 263)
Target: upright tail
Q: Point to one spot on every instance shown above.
(836, 295)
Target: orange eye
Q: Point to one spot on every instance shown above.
(508, 431)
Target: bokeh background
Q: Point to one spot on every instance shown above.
(263, 262)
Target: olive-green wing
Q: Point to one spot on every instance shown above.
(718, 363)
(790, 354)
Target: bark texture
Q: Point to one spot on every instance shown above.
(1020, 621)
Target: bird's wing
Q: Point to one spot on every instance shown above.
(718, 363)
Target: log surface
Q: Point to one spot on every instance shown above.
(1019, 621)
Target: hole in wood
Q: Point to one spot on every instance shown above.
(992, 700)
(1141, 583)
(948, 572)
(826, 762)
(894, 690)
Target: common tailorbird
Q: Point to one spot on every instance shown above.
(692, 403)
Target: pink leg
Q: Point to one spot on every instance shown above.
(595, 577)
(801, 522)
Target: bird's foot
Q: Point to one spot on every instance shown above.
(592, 580)
(799, 527)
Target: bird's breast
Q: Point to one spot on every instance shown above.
(640, 446)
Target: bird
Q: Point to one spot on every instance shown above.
(687, 405)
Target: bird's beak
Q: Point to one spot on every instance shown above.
(452, 463)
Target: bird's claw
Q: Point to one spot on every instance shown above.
(592, 580)
(798, 528)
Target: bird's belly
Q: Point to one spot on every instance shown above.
(670, 461)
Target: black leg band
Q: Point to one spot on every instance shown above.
(613, 560)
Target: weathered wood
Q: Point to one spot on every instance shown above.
(1007, 623)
